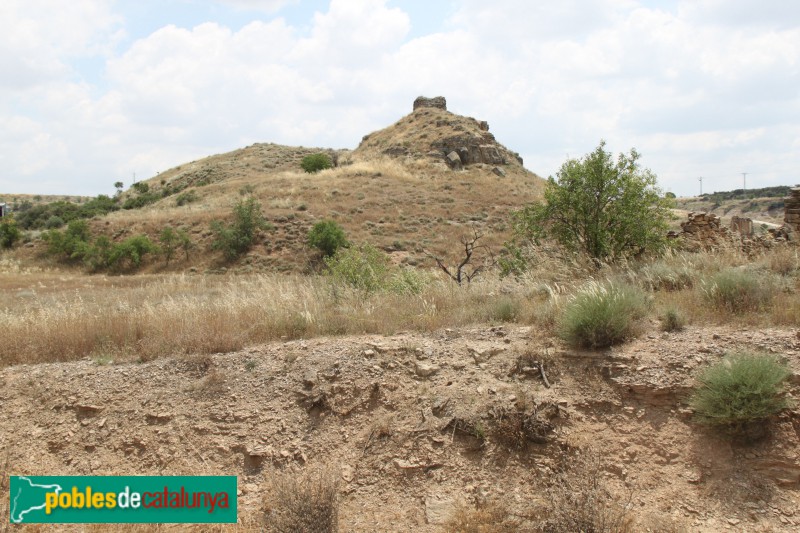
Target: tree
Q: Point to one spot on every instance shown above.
(118, 185)
(462, 272)
(607, 208)
(169, 243)
(327, 237)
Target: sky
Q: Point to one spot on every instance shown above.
(98, 91)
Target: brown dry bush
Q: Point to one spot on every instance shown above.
(580, 501)
(491, 517)
(307, 502)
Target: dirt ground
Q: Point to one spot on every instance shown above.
(410, 424)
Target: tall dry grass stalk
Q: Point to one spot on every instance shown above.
(183, 314)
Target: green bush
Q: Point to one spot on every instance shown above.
(741, 391)
(237, 238)
(97, 256)
(603, 314)
(316, 162)
(327, 237)
(739, 290)
(137, 202)
(54, 222)
(70, 243)
(131, 251)
(9, 232)
(141, 187)
(673, 320)
(362, 267)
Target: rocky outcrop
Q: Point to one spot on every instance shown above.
(437, 102)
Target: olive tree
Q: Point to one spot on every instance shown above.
(604, 206)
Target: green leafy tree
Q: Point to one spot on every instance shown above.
(97, 256)
(118, 185)
(237, 238)
(169, 243)
(327, 237)
(316, 162)
(9, 232)
(608, 208)
(70, 243)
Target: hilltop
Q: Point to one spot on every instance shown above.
(396, 190)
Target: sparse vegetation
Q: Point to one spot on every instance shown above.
(186, 197)
(316, 162)
(603, 314)
(739, 290)
(740, 392)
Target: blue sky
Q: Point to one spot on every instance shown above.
(92, 91)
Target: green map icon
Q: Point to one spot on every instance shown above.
(28, 498)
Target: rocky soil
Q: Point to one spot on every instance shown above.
(413, 425)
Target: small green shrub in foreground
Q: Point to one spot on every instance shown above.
(739, 290)
(603, 314)
(673, 320)
(316, 162)
(367, 269)
(740, 391)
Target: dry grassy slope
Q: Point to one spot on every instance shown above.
(405, 204)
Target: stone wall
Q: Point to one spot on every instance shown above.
(437, 101)
(792, 208)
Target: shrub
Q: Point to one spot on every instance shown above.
(306, 503)
(741, 391)
(97, 256)
(141, 187)
(327, 237)
(237, 238)
(9, 232)
(739, 290)
(316, 162)
(186, 198)
(673, 320)
(665, 276)
(169, 243)
(54, 222)
(603, 314)
(70, 243)
(362, 267)
(131, 250)
(137, 202)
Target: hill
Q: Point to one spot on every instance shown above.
(765, 204)
(395, 191)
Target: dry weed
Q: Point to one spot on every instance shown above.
(307, 502)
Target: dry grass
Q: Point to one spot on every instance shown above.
(307, 502)
(151, 316)
(491, 517)
(46, 317)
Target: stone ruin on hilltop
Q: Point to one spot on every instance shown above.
(445, 137)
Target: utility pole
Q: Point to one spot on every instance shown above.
(700, 179)
(744, 180)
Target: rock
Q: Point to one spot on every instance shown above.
(439, 509)
(347, 473)
(310, 378)
(499, 172)
(454, 160)
(368, 353)
(437, 102)
(424, 370)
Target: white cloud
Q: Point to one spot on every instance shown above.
(695, 86)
